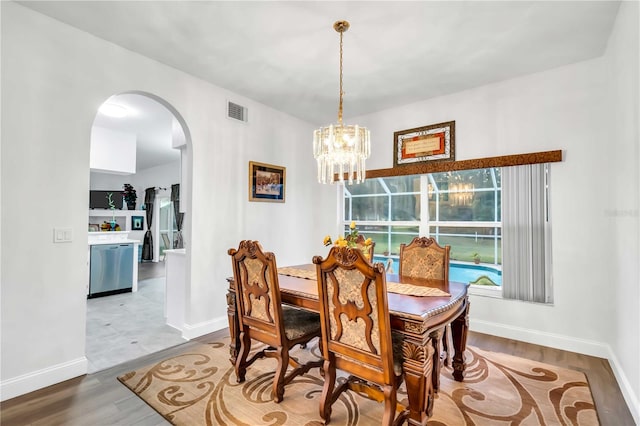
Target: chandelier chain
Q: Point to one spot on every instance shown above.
(341, 92)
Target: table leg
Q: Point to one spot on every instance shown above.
(418, 369)
(436, 339)
(459, 330)
(234, 328)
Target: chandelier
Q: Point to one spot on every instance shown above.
(461, 194)
(340, 148)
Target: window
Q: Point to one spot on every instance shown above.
(464, 209)
(461, 209)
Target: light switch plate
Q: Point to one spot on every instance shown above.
(62, 235)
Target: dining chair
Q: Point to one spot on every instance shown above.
(423, 257)
(262, 317)
(356, 333)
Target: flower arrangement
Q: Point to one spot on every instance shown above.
(349, 240)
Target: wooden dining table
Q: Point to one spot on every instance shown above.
(420, 319)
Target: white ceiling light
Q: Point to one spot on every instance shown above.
(341, 148)
(113, 110)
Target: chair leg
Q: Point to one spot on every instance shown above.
(390, 402)
(241, 360)
(326, 400)
(279, 378)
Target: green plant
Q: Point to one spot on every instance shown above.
(476, 257)
(129, 194)
(112, 206)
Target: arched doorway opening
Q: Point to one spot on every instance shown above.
(139, 141)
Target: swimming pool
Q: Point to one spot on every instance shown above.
(460, 272)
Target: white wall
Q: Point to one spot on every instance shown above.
(560, 109)
(46, 63)
(112, 151)
(590, 111)
(622, 211)
(45, 151)
(162, 176)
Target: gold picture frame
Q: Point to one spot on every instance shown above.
(267, 182)
(432, 143)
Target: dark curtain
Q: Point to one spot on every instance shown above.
(175, 198)
(147, 246)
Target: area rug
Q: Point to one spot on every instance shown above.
(198, 387)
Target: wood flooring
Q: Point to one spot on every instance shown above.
(100, 400)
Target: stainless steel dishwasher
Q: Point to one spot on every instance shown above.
(111, 269)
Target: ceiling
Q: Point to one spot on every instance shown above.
(285, 54)
(150, 121)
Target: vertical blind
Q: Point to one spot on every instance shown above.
(526, 234)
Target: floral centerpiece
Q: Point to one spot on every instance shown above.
(352, 239)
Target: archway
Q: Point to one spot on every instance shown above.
(145, 144)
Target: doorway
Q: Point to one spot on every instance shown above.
(126, 326)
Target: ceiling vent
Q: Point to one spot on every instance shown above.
(237, 112)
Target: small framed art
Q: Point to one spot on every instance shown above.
(137, 223)
(431, 143)
(267, 182)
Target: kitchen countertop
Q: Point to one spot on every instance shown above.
(127, 241)
(111, 237)
(176, 251)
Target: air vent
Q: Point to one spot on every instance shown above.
(237, 112)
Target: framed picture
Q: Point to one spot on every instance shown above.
(425, 144)
(266, 182)
(137, 222)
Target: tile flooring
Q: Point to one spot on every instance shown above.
(127, 326)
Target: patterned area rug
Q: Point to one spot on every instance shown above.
(199, 387)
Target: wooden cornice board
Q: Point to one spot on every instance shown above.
(479, 163)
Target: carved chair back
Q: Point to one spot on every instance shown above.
(257, 292)
(424, 258)
(354, 315)
(262, 317)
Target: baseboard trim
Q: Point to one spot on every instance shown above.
(39, 379)
(200, 329)
(630, 397)
(553, 340)
(567, 343)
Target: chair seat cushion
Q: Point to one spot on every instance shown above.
(298, 322)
